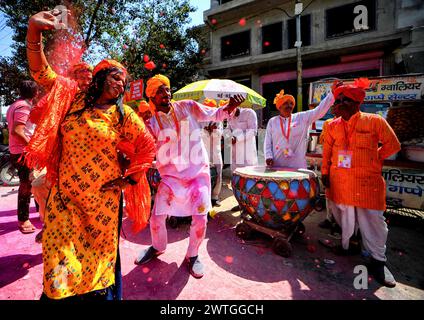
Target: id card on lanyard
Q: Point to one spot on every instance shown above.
(344, 157)
(287, 151)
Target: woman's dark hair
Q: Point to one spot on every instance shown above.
(96, 88)
(28, 89)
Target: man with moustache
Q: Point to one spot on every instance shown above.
(182, 162)
(355, 146)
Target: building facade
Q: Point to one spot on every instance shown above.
(253, 42)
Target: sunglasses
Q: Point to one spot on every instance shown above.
(343, 100)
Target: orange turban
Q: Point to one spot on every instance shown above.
(223, 102)
(154, 83)
(80, 66)
(108, 63)
(143, 106)
(209, 102)
(282, 98)
(355, 91)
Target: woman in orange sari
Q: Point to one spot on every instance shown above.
(80, 138)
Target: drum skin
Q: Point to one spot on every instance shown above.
(153, 177)
(278, 198)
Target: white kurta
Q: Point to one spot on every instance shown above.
(212, 142)
(276, 144)
(182, 161)
(244, 128)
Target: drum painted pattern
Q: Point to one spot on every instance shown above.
(277, 202)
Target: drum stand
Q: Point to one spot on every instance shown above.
(280, 243)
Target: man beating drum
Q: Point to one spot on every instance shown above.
(286, 134)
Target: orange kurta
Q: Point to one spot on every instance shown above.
(80, 238)
(324, 130)
(372, 140)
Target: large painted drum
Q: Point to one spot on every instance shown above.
(277, 198)
(153, 177)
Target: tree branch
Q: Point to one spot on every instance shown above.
(93, 18)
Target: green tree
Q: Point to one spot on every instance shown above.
(159, 35)
(126, 30)
(94, 20)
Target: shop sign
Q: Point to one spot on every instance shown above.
(380, 89)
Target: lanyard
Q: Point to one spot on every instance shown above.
(348, 133)
(174, 117)
(287, 136)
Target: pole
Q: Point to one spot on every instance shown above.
(298, 45)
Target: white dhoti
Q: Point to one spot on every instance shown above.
(160, 235)
(182, 198)
(212, 142)
(371, 224)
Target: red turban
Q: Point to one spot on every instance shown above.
(355, 91)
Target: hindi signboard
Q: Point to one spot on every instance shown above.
(136, 90)
(404, 187)
(394, 88)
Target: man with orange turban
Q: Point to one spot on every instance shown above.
(144, 111)
(181, 159)
(287, 134)
(355, 147)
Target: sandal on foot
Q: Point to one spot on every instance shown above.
(26, 227)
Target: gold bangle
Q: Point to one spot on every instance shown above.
(32, 42)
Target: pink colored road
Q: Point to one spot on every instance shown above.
(235, 269)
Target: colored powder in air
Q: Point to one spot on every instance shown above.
(66, 47)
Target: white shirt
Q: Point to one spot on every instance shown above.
(244, 128)
(291, 153)
(182, 162)
(212, 142)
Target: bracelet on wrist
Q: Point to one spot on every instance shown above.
(33, 50)
(33, 42)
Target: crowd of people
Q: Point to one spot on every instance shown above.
(91, 151)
